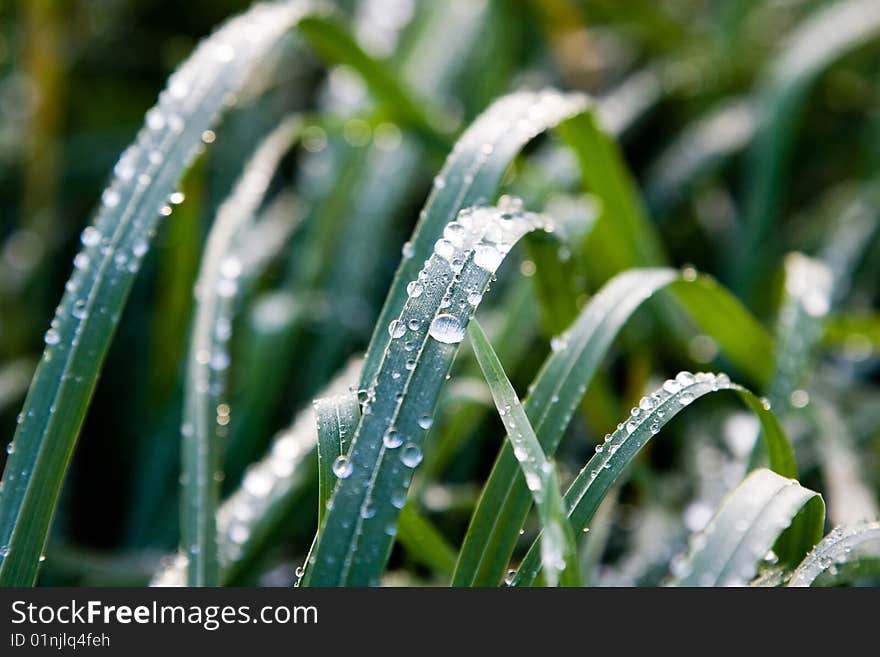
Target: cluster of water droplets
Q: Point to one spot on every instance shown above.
(440, 300)
(840, 547)
(651, 413)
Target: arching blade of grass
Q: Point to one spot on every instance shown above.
(251, 515)
(206, 411)
(104, 270)
(505, 501)
(645, 421)
(470, 176)
(558, 554)
(750, 521)
(358, 531)
(702, 147)
(824, 38)
(846, 554)
(337, 419)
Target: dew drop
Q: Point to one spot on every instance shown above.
(110, 198)
(671, 386)
(79, 309)
(81, 261)
(414, 289)
(411, 455)
(558, 343)
(398, 499)
(447, 329)
(396, 328)
(684, 379)
(487, 257)
(90, 236)
(392, 439)
(426, 421)
(342, 467)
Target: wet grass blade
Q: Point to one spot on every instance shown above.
(337, 419)
(113, 247)
(846, 554)
(358, 532)
(562, 381)
(645, 421)
(470, 176)
(824, 38)
(558, 554)
(749, 522)
(206, 409)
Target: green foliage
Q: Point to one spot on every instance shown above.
(319, 278)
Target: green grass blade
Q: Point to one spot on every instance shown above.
(206, 411)
(470, 176)
(558, 554)
(358, 531)
(423, 542)
(745, 528)
(824, 38)
(77, 341)
(337, 419)
(561, 383)
(623, 234)
(622, 445)
(846, 554)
